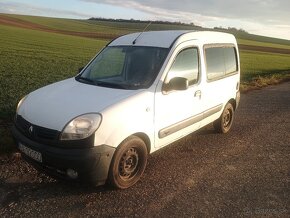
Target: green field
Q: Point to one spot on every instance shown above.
(255, 64)
(31, 59)
(263, 44)
(78, 25)
(120, 28)
(117, 28)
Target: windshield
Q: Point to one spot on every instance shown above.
(125, 67)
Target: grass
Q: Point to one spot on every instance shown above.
(254, 64)
(31, 59)
(263, 39)
(97, 25)
(120, 28)
(260, 69)
(262, 44)
(263, 81)
(75, 25)
(6, 141)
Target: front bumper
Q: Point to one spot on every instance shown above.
(92, 164)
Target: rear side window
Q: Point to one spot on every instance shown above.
(186, 65)
(220, 62)
(230, 60)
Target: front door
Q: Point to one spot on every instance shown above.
(178, 113)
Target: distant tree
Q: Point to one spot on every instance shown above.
(143, 21)
(242, 30)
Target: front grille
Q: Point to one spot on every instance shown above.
(50, 137)
(22, 124)
(35, 132)
(46, 133)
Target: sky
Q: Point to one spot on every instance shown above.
(261, 17)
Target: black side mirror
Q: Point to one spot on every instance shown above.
(178, 83)
(80, 69)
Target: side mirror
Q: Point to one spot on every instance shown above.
(80, 69)
(178, 83)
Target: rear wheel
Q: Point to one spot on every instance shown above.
(224, 123)
(128, 163)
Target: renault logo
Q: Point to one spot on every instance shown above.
(30, 129)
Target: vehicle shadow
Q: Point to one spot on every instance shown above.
(207, 130)
(28, 182)
(15, 189)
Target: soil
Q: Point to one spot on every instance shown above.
(264, 49)
(10, 21)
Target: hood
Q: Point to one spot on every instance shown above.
(53, 106)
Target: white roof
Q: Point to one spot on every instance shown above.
(165, 39)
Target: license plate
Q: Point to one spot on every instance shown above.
(35, 155)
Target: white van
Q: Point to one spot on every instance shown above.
(142, 92)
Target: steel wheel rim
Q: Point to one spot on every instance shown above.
(227, 119)
(128, 165)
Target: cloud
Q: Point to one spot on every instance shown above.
(265, 17)
(23, 8)
(272, 11)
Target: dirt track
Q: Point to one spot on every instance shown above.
(245, 173)
(264, 49)
(10, 21)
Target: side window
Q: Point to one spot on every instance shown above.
(230, 60)
(220, 61)
(186, 65)
(215, 64)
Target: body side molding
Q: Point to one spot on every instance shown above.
(188, 122)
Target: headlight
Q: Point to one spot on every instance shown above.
(20, 103)
(81, 127)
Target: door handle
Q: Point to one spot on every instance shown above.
(197, 94)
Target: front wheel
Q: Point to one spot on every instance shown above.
(224, 123)
(128, 163)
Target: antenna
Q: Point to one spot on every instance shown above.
(134, 42)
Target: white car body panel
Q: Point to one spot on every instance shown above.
(53, 106)
(163, 39)
(116, 125)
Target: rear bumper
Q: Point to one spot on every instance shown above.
(91, 164)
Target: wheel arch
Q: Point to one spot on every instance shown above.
(233, 102)
(146, 140)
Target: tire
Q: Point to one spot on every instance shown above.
(224, 123)
(128, 163)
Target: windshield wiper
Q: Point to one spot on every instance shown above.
(111, 85)
(87, 80)
(103, 83)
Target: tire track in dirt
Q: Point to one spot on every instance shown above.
(264, 49)
(10, 21)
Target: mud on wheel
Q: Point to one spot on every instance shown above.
(128, 163)
(224, 123)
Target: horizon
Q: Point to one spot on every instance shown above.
(255, 20)
(134, 20)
